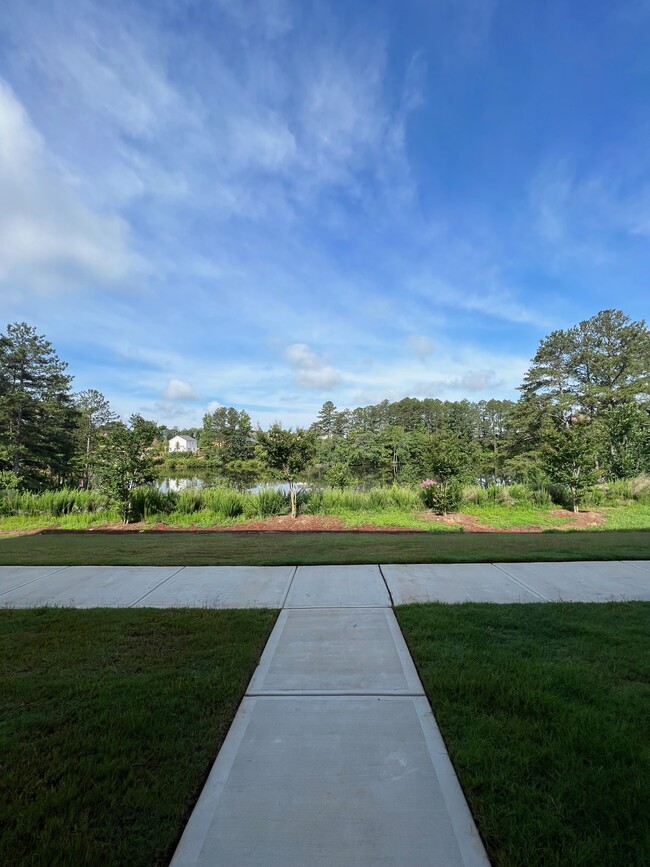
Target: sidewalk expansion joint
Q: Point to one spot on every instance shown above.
(633, 564)
(288, 590)
(160, 584)
(388, 590)
(523, 584)
(34, 580)
(332, 693)
(337, 607)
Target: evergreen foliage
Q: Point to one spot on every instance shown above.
(37, 416)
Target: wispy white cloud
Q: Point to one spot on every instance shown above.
(311, 370)
(177, 389)
(477, 380)
(49, 239)
(581, 215)
(261, 174)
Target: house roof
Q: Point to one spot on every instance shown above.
(183, 437)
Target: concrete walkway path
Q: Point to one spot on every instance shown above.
(334, 757)
(305, 587)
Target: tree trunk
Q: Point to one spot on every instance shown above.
(16, 456)
(294, 501)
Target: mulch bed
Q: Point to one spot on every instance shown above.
(325, 524)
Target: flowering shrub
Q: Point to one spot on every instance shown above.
(441, 497)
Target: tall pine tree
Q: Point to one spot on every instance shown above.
(37, 416)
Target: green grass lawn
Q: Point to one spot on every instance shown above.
(109, 723)
(249, 549)
(545, 710)
(626, 517)
(518, 516)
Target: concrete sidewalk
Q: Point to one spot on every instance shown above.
(328, 586)
(334, 757)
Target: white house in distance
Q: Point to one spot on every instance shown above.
(182, 443)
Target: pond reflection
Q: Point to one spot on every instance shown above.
(175, 485)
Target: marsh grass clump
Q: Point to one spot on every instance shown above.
(52, 504)
(267, 502)
(224, 502)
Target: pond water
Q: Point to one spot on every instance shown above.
(177, 484)
(279, 486)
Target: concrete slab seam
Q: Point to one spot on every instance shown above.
(330, 693)
(522, 584)
(337, 608)
(289, 585)
(160, 583)
(633, 565)
(388, 590)
(33, 580)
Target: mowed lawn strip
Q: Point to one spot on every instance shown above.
(545, 710)
(109, 723)
(251, 549)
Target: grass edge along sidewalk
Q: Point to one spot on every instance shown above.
(295, 549)
(545, 711)
(110, 720)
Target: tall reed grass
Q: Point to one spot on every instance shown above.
(53, 504)
(333, 500)
(227, 504)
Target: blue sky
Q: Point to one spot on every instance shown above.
(271, 204)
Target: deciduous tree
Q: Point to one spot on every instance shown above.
(124, 461)
(287, 453)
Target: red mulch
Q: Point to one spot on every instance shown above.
(325, 524)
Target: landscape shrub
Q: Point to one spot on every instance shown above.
(619, 490)
(442, 497)
(145, 502)
(506, 495)
(519, 493)
(475, 495)
(224, 502)
(310, 502)
(403, 497)
(596, 496)
(541, 497)
(346, 500)
(560, 495)
(640, 488)
(189, 501)
(267, 502)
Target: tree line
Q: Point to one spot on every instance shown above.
(583, 415)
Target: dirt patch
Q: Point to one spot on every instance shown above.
(472, 524)
(580, 519)
(33, 531)
(326, 524)
(273, 524)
